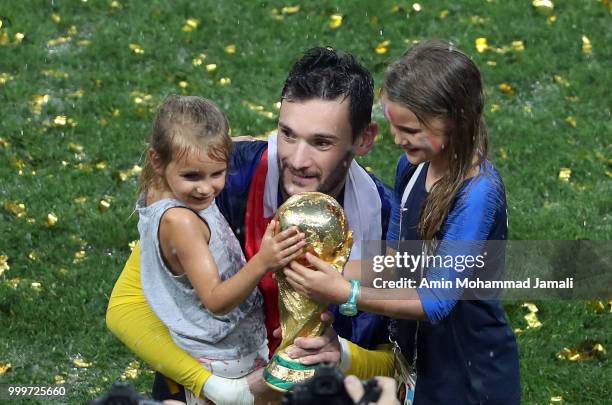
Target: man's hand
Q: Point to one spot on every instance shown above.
(325, 348)
(261, 392)
(387, 385)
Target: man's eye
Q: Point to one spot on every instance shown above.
(286, 134)
(323, 144)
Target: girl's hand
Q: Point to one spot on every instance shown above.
(322, 283)
(277, 251)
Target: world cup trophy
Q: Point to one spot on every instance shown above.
(327, 235)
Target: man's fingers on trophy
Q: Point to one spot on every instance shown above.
(327, 317)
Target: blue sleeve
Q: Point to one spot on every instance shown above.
(394, 223)
(479, 209)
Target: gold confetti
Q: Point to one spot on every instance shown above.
(104, 205)
(571, 121)
(518, 46)
(58, 41)
(13, 282)
(80, 200)
(16, 208)
(560, 80)
(72, 30)
(503, 153)
(198, 60)
(75, 147)
(55, 73)
(183, 84)
(4, 38)
(5, 77)
(544, 7)
(132, 244)
(137, 49)
(4, 266)
(100, 165)
(551, 19)
(51, 219)
(5, 368)
(38, 101)
(115, 4)
(60, 120)
(36, 286)
(584, 351)
(83, 42)
(79, 256)
(190, 24)
(56, 18)
(211, 67)
(383, 47)
(481, 44)
(335, 21)
(587, 48)
(506, 88)
(230, 49)
(76, 94)
(556, 400)
(417, 7)
(80, 362)
(131, 371)
(33, 256)
(443, 14)
(59, 379)
(141, 98)
(476, 20)
(597, 306)
(565, 173)
(18, 38)
(532, 320)
(290, 9)
(4, 143)
(224, 81)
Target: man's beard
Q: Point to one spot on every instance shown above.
(331, 185)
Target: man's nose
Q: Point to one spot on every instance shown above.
(300, 158)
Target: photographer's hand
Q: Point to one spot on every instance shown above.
(387, 385)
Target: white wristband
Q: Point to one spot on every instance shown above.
(345, 355)
(228, 391)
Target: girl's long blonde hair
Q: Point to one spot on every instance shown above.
(434, 79)
(184, 124)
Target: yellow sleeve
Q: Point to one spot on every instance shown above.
(132, 321)
(369, 363)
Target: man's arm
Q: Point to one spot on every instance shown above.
(132, 321)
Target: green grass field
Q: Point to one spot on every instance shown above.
(79, 81)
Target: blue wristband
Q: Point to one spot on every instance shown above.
(349, 308)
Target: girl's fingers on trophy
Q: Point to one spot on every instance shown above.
(292, 241)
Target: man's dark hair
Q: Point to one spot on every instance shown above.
(327, 74)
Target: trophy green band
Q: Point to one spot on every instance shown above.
(322, 220)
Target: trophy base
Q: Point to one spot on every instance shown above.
(282, 373)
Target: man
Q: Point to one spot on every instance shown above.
(324, 122)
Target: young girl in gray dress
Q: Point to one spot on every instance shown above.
(194, 274)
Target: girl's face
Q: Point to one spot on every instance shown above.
(420, 142)
(195, 179)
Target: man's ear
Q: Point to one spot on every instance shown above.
(365, 140)
(155, 161)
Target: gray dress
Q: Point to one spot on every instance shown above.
(193, 327)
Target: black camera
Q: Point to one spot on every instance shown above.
(326, 387)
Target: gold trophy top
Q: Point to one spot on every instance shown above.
(323, 223)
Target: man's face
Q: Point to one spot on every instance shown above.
(315, 146)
